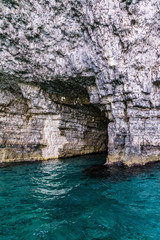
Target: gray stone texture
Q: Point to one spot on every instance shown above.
(73, 72)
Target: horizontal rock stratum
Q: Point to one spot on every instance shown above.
(78, 77)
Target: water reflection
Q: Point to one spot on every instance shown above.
(58, 200)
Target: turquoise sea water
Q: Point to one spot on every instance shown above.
(55, 200)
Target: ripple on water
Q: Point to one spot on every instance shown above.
(58, 200)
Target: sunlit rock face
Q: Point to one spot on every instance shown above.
(73, 72)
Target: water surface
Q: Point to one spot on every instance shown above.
(55, 200)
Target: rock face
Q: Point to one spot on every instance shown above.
(77, 75)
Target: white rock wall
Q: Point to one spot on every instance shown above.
(108, 48)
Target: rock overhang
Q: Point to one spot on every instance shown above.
(97, 55)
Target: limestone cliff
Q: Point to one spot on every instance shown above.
(78, 74)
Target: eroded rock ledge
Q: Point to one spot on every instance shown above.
(79, 77)
(39, 123)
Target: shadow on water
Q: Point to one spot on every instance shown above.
(79, 198)
(119, 171)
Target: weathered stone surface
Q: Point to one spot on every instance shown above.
(62, 61)
(40, 128)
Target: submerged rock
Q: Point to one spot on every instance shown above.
(119, 170)
(105, 171)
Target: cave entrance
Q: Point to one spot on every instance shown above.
(51, 120)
